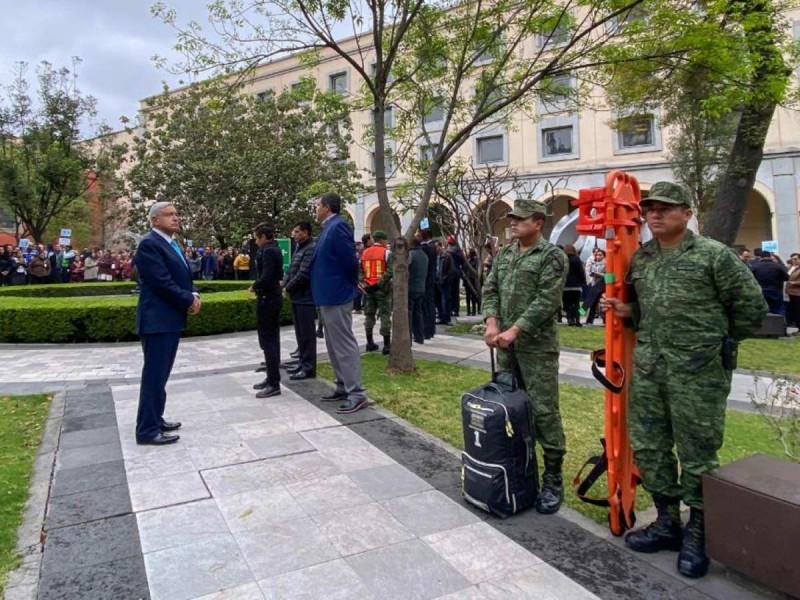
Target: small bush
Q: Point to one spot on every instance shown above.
(112, 288)
(88, 319)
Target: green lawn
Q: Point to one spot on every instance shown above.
(430, 399)
(22, 419)
(774, 356)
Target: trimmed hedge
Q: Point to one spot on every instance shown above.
(76, 319)
(111, 288)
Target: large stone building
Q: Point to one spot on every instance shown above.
(575, 148)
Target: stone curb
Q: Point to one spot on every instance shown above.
(23, 582)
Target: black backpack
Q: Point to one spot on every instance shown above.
(499, 473)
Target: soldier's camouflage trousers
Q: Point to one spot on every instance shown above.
(380, 303)
(537, 373)
(672, 406)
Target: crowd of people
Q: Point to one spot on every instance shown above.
(38, 264)
(779, 280)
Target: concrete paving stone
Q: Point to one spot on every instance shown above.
(78, 546)
(89, 437)
(166, 491)
(89, 455)
(470, 593)
(90, 477)
(722, 588)
(155, 465)
(248, 591)
(428, 512)
(406, 571)
(108, 419)
(259, 509)
(542, 582)
(246, 414)
(207, 456)
(77, 408)
(27, 571)
(245, 398)
(285, 547)
(89, 505)
(113, 580)
(236, 479)
(307, 420)
(262, 429)
(221, 435)
(383, 483)
(329, 494)
(357, 458)
(361, 528)
(480, 552)
(180, 525)
(334, 438)
(333, 580)
(21, 592)
(278, 445)
(189, 571)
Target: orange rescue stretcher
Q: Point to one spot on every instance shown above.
(613, 213)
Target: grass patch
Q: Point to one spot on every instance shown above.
(22, 419)
(773, 356)
(431, 400)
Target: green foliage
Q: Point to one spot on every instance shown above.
(22, 420)
(109, 319)
(229, 160)
(75, 217)
(114, 288)
(43, 168)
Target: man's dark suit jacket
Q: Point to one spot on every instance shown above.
(166, 287)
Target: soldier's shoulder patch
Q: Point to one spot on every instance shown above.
(557, 261)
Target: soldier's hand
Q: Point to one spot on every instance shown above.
(619, 308)
(490, 336)
(505, 339)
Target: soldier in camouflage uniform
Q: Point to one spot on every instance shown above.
(521, 299)
(691, 300)
(375, 277)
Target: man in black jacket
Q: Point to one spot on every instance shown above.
(771, 275)
(267, 288)
(297, 285)
(429, 305)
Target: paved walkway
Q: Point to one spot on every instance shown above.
(284, 499)
(54, 365)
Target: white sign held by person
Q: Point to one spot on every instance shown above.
(770, 246)
(64, 241)
(424, 223)
(23, 243)
(65, 233)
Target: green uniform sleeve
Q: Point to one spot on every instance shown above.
(387, 276)
(547, 300)
(739, 291)
(489, 297)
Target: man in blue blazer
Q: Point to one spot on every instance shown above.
(334, 285)
(167, 296)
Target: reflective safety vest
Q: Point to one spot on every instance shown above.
(373, 262)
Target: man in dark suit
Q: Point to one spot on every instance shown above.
(267, 288)
(167, 296)
(298, 287)
(334, 284)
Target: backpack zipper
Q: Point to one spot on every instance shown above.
(491, 466)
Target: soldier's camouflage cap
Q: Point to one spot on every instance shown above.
(379, 235)
(527, 208)
(669, 193)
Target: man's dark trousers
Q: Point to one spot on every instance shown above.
(429, 312)
(159, 356)
(774, 300)
(305, 330)
(268, 323)
(415, 316)
(447, 298)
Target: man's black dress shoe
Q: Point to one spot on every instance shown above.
(334, 395)
(161, 439)
(262, 385)
(269, 391)
(351, 406)
(170, 425)
(300, 375)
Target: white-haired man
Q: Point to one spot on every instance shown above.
(167, 296)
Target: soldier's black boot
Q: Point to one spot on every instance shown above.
(662, 534)
(387, 344)
(371, 345)
(692, 560)
(552, 493)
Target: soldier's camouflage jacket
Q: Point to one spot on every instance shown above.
(688, 299)
(524, 289)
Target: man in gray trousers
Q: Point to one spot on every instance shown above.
(334, 285)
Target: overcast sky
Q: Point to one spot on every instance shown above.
(114, 38)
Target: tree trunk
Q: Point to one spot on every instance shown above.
(401, 359)
(726, 214)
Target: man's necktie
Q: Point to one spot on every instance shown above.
(177, 248)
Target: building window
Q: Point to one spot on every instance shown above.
(490, 149)
(558, 34)
(426, 152)
(265, 95)
(637, 133)
(616, 24)
(434, 116)
(337, 83)
(558, 138)
(557, 96)
(388, 118)
(387, 162)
